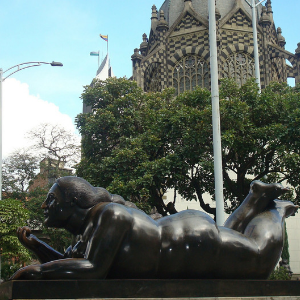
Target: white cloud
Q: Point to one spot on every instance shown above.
(22, 112)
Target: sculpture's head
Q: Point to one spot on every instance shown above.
(70, 196)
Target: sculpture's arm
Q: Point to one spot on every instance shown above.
(104, 244)
(43, 251)
(69, 268)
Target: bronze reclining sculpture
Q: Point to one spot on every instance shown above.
(119, 241)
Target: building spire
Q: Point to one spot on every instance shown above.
(281, 39)
(154, 13)
(162, 23)
(154, 17)
(269, 9)
(265, 18)
(144, 45)
(297, 51)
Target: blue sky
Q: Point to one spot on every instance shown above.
(67, 31)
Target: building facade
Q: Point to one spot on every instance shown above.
(176, 54)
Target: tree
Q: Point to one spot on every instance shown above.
(18, 170)
(56, 143)
(260, 137)
(139, 145)
(128, 140)
(12, 215)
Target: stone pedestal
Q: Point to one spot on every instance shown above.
(99, 289)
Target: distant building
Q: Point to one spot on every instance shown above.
(176, 54)
(50, 170)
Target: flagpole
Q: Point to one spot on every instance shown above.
(107, 46)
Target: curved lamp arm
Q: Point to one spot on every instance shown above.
(13, 70)
(26, 65)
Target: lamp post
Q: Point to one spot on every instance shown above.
(13, 70)
(255, 44)
(220, 214)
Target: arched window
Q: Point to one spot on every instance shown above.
(189, 72)
(239, 66)
(153, 78)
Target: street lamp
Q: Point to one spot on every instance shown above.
(13, 70)
(255, 44)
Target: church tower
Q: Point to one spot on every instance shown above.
(176, 53)
(104, 71)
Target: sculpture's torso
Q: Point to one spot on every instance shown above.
(188, 245)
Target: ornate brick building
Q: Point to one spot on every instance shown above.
(176, 54)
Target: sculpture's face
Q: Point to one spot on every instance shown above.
(57, 210)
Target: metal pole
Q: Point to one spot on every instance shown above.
(255, 44)
(220, 215)
(1, 81)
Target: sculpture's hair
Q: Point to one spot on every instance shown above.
(85, 194)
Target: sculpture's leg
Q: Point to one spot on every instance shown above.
(259, 197)
(267, 230)
(254, 254)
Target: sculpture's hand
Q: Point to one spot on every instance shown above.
(29, 272)
(79, 250)
(43, 251)
(27, 239)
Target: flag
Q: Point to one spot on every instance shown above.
(104, 37)
(94, 53)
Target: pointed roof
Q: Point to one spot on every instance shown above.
(173, 8)
(105, 70)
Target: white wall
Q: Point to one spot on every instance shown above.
(293, 231)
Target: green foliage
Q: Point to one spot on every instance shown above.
(260, 137)
(141, 144)
(130, 138)
(12, 215)
(280, 273)
(18, 171)
(8, 269)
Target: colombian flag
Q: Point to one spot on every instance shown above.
(104, 37)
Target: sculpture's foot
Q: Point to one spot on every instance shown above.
(287, 208)
(269, 191)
